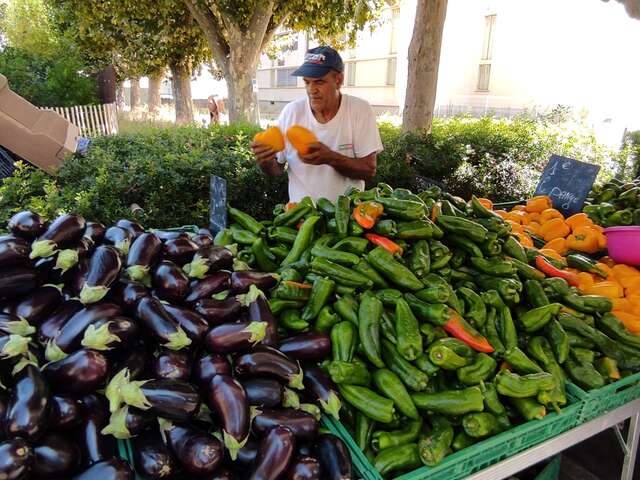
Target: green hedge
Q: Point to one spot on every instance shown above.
(165, 171)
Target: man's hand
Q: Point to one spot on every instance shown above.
(266, 158)
(319, 154)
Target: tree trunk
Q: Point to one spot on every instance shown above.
(242, 104)
(107, 84)
(181, 88)
(153, 96)
(134, 94)
(424, 60)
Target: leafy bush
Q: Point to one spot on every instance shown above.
(635, 153)
(165, 171)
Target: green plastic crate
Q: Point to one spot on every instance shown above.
(602, 400)
(361, 463)
(460, 464)
(552, 470)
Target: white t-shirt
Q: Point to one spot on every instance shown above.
(353, 132)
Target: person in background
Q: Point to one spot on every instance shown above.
(214, 112)
(345, 126)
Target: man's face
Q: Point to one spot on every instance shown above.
(321, 91)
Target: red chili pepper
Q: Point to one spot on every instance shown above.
(550, 271)
(458, 327)
(384, 242)
(290, 205)
(299, 224)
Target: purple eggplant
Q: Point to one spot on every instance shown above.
(16, 459)
(134, 359)
(170, 281)
(109, 333)
(76, 277)
(166, 235)
(128, 422)
(242, 281)
(222, 473)
(18, 281)
(269, 361)
(72, 332)
(119, 238)
(312, 346)
(209, 259)
(160, 324)
(263, 392)
(143, 254)
(208, 286)
(104, 268)
(171, 399)
(45, 268)
(63, 232)
(51, 326)
(152, 458)
(208, 366)
(323, 389)
(303, 425)
(334, 457)
(28, 407)
(26, 224)
(202, 240)
(55, 456)
(65, 412)
(111, 469)
(228, 400)
(192, 323)
(275, 455)
(179, 250)
(248, 454)
(234, 337)
(259, 311)
(218, 311)
(95, 446)
(69, 257)
(128, 293)
(197, 452)
(172, 365)
(14, 252)
(304, 468)
(38, 304)
(81, 372)
(135, 229)
(95, 231)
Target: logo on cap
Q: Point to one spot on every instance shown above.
(315, 58)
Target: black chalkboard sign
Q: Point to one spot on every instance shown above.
(567, 182)
(217, 204)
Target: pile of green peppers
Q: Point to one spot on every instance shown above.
(615, 203)
(409, 322)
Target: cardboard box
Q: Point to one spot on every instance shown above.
(42, 137)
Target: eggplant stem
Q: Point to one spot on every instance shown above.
(66, 259)
(90, 295)
(99, 338)
(312, 409)
(295, 379)
(258, 330)
(20, 327)
(198, 267)
(53, 352)
(332, 406)
(16, 345)
(232, 444)
(290, 399)
(30, 359)
(123, 246)
(117, 425)
(251, 296)
(42, 248)
(240, 266)
(137, 272)
(221, 295)
(133, 395)
(113, 390)
(178, 340)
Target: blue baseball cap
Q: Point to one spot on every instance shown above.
(318, 62)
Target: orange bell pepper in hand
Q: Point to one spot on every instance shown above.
(301, 138)
(271, 137)
(366, 214)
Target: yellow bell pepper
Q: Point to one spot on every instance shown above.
(608, 288)
(549, 214)
(578, 220)
(554, 228)
(558, 244)
(586, 281)
(538, 204)
(583, 240)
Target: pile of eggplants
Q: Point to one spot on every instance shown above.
(160, 337)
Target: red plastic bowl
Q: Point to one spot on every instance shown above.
(623, 244)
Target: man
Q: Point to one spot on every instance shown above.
(345, 126)
(214, 112)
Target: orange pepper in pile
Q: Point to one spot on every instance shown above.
(578, 220)
(538, 204)
(632, 322)
(554, 228)
(585, 280)
(558, 244)
(584, 239)
(366, 214)
(550, 214)
(486, 203)
(607, 288)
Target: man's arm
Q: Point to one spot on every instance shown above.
(363, 168)
(267, 160)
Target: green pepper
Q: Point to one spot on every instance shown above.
(415, 230)
(493, 266)
(513, 248)
(495, 225)
(419, 260)
(585, 264)
(265, 259)
(450, 402)
(576, 340)
(479, 210)
(355, 245)
(520, 362)
(588, 303)
(434, 447)
(584, 375)
(475, 310)
(388, 296)
(342, 275)
(291, 275)
(458, 346)
(383, 439)
(492, 333)
(393, 270)
(506, 328)
(458, 259)
(387, 328)
(326, 206)
(462, 441)
(491, 401)
(535, 294)
(583, 355)
(540, 349)
(245, 220)
(363, 430)
(290, 319)
(619, 218)
(368, 271)
(386, 228)
(446, 358)
(392, 387)
(336, 256)
(425, 365)
(463, 227)
(480, 370)
(397, 459)
(614, 328)
(492, 298)
(288, 290)
(435, 313)
(402, 209)
(508, 288)
(526, 271)
(556, 287)
(492, 246)
(347, 307)
(374, 406)
(246, 256)
(406, 194)
(223, 237)
(454, 302)
(437, 289)
(291, 217)
(558, 339)
(277, 305)
(409, 340)
(326, 319)
(280, 251)
(608, 368)
(355, 230)
(522, 386)
(440, 254)
(465, 243)
(321, 290)
(432, 192)
(369, 315)
(241, 236)
(342, 214)
(535, 319)
(302, 241)
(326, 240)
(413, 378)
(529, 408)
(344, 339)
(480, 424)
(450, 209)
(349, 373)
